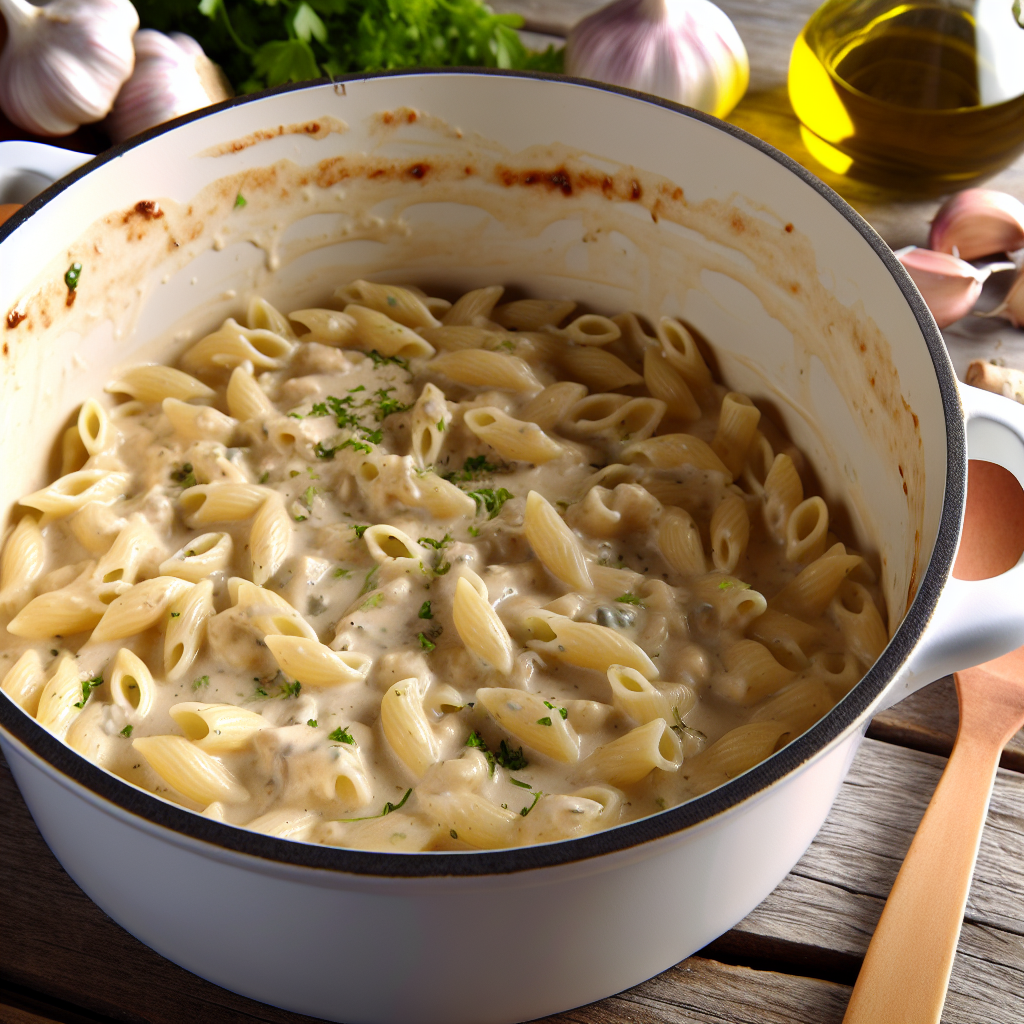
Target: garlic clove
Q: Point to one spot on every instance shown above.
(683, 50)
(1012, 307)
(1000, 380)
(978, 222)
(949, 286)
(63, 63)
(172, 77)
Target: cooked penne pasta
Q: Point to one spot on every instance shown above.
(131, 685)
(478, 624)
(513, 439)
(473, 606)
(634, 756)
(481, 369)
(534, 720)
(555, 544)
(191, 771)
(315, 664)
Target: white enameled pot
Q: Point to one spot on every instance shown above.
(568, 190)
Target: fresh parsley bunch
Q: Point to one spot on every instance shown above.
(261, 43)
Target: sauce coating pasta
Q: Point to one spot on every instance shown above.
(414, 575)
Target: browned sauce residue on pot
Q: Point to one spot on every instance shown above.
(318, 129)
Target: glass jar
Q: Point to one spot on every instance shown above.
(920, 98)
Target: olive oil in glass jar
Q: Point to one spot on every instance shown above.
(919, 98)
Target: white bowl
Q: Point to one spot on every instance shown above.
(778, 273)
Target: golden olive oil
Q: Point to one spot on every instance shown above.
(919, 98)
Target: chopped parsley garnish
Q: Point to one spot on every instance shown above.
(510, 759)
(290, 689)
(561, 711)
(88, 686)
(308, 495)
(356, 446)
(441, 426)
(521, 785)
(473, 468)
(175, 615)
(437, 544)
(425, 612)
(474, 531)
(491, 500)
(546, 720)
(526, 810)
(427, 645)
(371, 578)
(726, 584)
(388, 808)
(386, 405)
(342, 736)
(184, 476)
(201, 683)
(453, 833)
(71, 276)
(240, 201)
(360, 530)
(476, 740)
(379, 360)
(126, 732)
(373, 601)
(311, 722)
(264, 476)
(321, 451)
(629, 599)
(341, 574)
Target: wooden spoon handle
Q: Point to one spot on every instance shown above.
(905, 973)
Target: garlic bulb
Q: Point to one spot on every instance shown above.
(978, 222)
(683, 50)
(172, 77)
(950, 287)
(1012, 307)
(63, 64)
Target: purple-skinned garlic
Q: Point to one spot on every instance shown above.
(683, 50)
(1012, 307)
(950, 286)
(978, 222)
(172, 77)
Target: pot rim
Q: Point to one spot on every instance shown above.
(843, 718)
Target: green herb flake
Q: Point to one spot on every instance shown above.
(311, 722)
(427, 645)
(546, 720)
(441, 426)
(290, 690)
(240, 201)
(453, 833)
(388, 808)
(437, 545)
(562, 711)
(474, 531)
(360, 530)
(201, 683)
(629, 599)
(425, 612)
(71, 276)
(526, 810)
(175, 615)
(476, 740)
(88, 686)
(265, 476)
(185, 476)
(342, 736)
(373, 601)
(308, 495)
(510, 759)
(521, 785)
(126, 732)
(474, 468)
(341, 573)
(379, 360)
(739, 584)
(491, 500)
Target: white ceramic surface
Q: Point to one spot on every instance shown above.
(397, 938)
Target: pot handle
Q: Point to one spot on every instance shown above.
(26, 168)
(974, 620)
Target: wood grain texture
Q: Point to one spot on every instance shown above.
(813, 930)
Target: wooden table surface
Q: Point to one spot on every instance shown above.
(796, 956)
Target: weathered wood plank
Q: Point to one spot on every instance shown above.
(927, 720)
(700, 991)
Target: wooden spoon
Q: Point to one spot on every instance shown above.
(906, 970)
